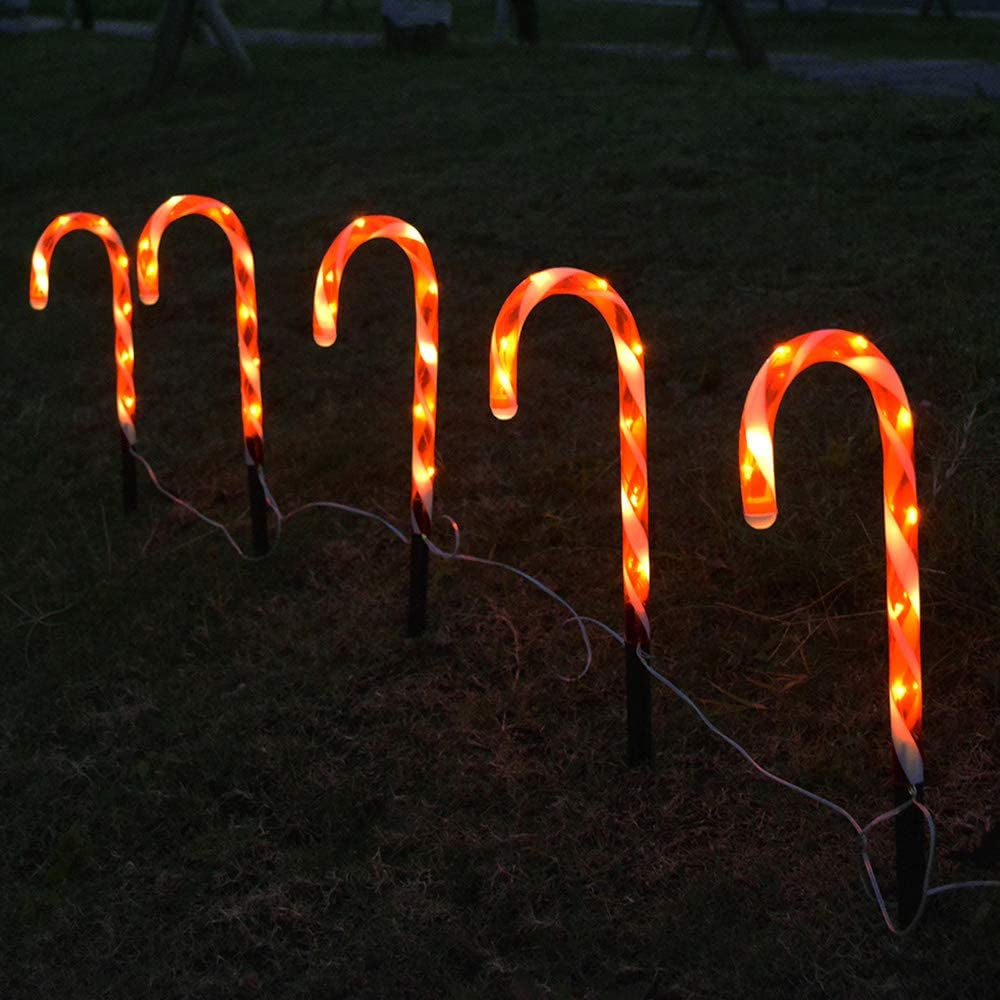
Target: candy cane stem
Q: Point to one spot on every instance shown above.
(148, 272)
(901, 518)
(326, 303)
(634, 490)
(38, 295)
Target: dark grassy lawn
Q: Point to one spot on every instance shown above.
(834, 32)
(222, 779)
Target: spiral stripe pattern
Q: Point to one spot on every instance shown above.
(631, 412)
(148, 269)
(425, 358)
(38, 295)
(900, 512)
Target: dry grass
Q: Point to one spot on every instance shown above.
(221, 779)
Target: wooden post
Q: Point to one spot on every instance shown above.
(946, 8)
(214, 17)
(176, 24)
(733, 16)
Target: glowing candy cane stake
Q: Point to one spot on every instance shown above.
(632, 432)
(246, 325)
(901, 516)
(122, 304)
(425, 367)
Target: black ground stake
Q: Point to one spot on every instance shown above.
(911, 858)
(639, 709)
(258, 511)
(638, 698)
(416, 617)
(130, 494)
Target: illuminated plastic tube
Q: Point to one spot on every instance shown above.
(901, 518)
(425, 369)
(632, 434)
(148, 270)
(38, 294)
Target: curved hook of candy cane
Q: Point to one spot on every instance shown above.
(631, 412)
(425, 360)
(900, 511)
(148, 270)
(38, 295)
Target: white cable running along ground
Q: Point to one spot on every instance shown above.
(271, 502)
(647, 661)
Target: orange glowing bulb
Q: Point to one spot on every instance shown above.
(912, 515)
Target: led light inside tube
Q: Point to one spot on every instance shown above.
(147, 265)
(425, 364)
(121, 298)
(901, 513)
(631, 416)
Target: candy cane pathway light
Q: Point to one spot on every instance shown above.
(901, 517)
(246, 325)
(38, 295)
(425, 368)
(632, 434)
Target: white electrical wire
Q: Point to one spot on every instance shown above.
(271, 502)
(460, 557)
(204, 517)
(647, 661)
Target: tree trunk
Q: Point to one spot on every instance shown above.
(733, 16)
